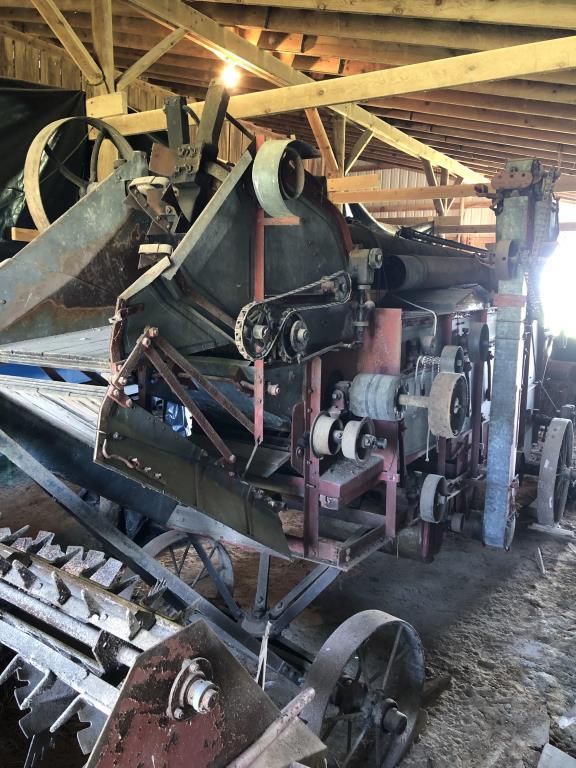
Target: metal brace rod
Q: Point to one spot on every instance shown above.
(180, 392)
(324, 578)
(203, 382)
(233, 606)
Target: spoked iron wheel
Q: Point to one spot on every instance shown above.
(176, 551)
(555, 471)
(368, 678)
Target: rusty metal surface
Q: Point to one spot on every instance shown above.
(139, 731)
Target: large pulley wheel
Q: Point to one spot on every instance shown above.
(368, 678)
(175, 550)
(555, 471)
(448, 404)
(41, 145)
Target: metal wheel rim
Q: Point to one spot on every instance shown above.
(172, 539)
(448, 404)
(554, 475)
(33, 162)
(326, 674)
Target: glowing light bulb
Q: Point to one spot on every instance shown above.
(230, 76)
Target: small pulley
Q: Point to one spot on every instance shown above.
(327, 432)
(433, 496)
(359, 440)
(452, 359)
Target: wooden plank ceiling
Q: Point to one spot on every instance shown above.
(480, 125)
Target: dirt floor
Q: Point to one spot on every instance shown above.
(499, 636)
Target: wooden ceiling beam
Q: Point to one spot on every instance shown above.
(357, 27)
(70, 40)
(560, 14)
(521, 106)
(484, 131)
(230, 46)
(520, 89)
(423, 111)
(469, 69)
(499, 154)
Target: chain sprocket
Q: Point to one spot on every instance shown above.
(276, 313)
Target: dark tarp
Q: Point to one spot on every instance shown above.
(24, 110)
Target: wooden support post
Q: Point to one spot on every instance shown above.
(70, 40)
(444, 181)
(103, 107)
(339, 135)
(433, 182)
(361, 143)
(322, 142)
(103, 42)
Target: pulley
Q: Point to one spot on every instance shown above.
(326, 435)
(447, 404)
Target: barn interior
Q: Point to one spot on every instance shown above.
(287, 383)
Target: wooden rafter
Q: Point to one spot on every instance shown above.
(70, 40)
(148, 59)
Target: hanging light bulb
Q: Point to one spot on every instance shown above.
(230, 76)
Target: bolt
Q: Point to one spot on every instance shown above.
(116, 393)
(179, 713)
(146, 342)
(116, 435)
(152, 332)
(122, 380)
(394, 721)
(129, 402)
(299, 451)
(157, 475)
